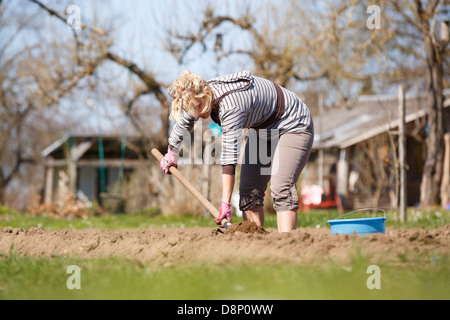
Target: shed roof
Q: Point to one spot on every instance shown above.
(366, 118)
(90, 150)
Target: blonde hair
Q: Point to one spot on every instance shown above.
(184, 89)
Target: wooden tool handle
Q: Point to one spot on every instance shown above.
(177, 174)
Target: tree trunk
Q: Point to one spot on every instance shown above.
(154, 87)
(432, 174)
(445, 186)
(163, 135)
(2, 195)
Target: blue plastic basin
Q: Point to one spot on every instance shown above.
(360, 226)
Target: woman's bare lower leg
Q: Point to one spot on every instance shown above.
(286, 221)
(255, 214)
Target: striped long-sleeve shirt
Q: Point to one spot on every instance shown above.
(251, 102)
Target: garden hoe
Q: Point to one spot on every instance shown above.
(208, 206)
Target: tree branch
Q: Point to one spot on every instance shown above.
(148, 79)
(311, 77)
(59, 16)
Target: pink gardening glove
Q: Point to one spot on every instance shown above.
(225, 212)
(169, 160)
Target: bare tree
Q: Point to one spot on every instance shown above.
(331, 43)
(273, 53)
(418, 40)
(299, 42)
(103, 41)
(33, 79)
(328, 44)
(435, 49)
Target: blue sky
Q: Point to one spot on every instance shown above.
(139, 32)
(139, 28)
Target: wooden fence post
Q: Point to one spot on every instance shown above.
(402, 153)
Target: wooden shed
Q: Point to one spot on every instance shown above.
(355, 150)
(90, 166)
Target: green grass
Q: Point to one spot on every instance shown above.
(26, 278)
(152, 218)
(139, 220)
(113, 278)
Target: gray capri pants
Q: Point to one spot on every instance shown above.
(290, 157)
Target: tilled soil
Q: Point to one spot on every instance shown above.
(246, 227)
(240, 244)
